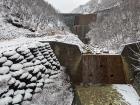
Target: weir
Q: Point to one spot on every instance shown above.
(97, 75)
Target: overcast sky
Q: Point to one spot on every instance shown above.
(66, 6)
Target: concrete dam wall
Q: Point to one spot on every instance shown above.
(79, 24)
(90, 68)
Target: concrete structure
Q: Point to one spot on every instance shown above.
(79, 24)
(131, 56)
(90, 68)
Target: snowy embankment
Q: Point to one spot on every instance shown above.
(128, 93)
(29, 72)
(67, 38)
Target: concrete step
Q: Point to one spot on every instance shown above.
(115, 94)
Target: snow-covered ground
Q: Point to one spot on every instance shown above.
(8, 31)
(67, 38)
(128, 93)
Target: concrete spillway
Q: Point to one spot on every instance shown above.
(91, 74)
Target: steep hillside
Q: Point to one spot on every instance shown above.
(31, 16)
(116, 26)
(96, 5)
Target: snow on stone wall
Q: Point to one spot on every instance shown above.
(25, 71)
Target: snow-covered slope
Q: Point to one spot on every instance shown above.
(116, 26)
(96, 5)
(8, 31)
(89, 7)
(24, 17)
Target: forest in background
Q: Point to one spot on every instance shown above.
(34, 15)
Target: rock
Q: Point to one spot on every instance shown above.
(19, 92)
(33, 60)
(17, 83)
(23, 50)
(27, 96)
(54, 68)
(46, 76)
(33, 79)
(8, 63)
(28, 64)
(5, 100)
(29, 91)
(46, 53)
(37, 62)
(36, 52)
(27, 103)
(9, 53)
(42, 75)
(38, 90)
(17, 99)
(40, 57)
(39, 84)
(39, 74)
(12, 81)
(47, 64)
(48, 71)
(36, 70)
(29, 76)
(48, 81)
(41, 80)
(16, 67)
(47, 56)
(4, 82)
(6, 77)
(22, 85)
(41, 66)
(39, 54)
(3, 60)
(31, 85)
(9, 93)
(24, 75)
(30, 57)
(0, 55)
(20, 58)
(16, 56)
(17, 73)
(54, 76)
(28, 54)
(28, 69)
(4, 70)
(23, 61)
(44, 61)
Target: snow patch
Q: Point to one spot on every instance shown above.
(129, 94)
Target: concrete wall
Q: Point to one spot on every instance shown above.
(89, 68)
(106, 69)
(70, 57)
(131, 58)
(81, 31)
(79, 24)
(85, 19)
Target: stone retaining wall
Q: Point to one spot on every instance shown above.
(23, 72)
